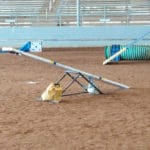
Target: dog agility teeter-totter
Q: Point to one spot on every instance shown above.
(54, 91)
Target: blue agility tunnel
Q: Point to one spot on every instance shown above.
(134, 52)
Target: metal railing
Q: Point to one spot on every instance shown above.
(64, 13)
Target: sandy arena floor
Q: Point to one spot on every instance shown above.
(115, 120)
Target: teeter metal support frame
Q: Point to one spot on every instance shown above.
(74, 76)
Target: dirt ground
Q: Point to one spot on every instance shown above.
(115, 120)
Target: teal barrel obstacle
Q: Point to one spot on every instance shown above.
(134, 52)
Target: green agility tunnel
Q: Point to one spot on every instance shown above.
(134, 52)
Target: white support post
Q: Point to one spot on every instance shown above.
(50, 5)
(78, 12)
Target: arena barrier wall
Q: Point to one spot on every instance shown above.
(65, 36)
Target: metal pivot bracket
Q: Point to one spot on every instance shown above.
(89, 87)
